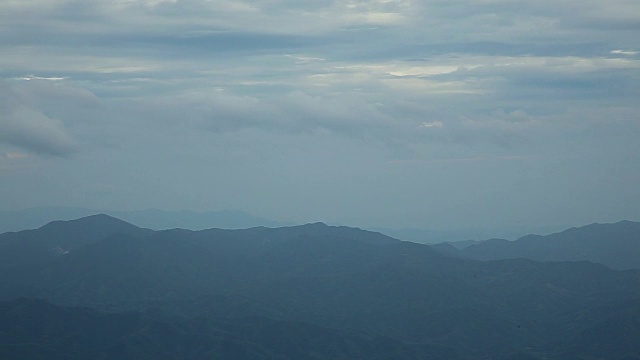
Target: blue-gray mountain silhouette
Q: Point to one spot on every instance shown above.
(312, 277)
(615, 245)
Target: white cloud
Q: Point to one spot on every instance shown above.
(624, 52)
(33, 77)
(432, 124)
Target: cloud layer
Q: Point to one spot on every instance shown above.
(417, 95)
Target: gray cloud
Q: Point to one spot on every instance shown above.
(430, 108)
(33, 131)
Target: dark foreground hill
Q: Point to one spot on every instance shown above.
(344, 287)
(31, 329)
(615, 245)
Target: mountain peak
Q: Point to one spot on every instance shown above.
(91, 219)
(316, 224)
(90, 228)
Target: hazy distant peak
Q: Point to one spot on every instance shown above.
(318, 224)
(498, 240)
(595, 228)
(627, 222)
(616, 245)
(100, 220)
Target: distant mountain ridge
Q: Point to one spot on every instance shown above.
(151, 218)
(331, 287)
(615, 245)
(156, 219)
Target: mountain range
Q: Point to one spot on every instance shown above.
(106, 289)
(615, 245)
(157, 219)
(151, 218)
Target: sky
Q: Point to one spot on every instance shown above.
(432, 114)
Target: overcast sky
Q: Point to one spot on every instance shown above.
(398, 113)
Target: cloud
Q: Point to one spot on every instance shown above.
(624, 52)
(432, 124)
(291, 112)
(241, 85)
(31, 130)
(24, 125)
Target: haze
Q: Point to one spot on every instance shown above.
(427, 114)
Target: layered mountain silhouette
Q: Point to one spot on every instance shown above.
(303, 292)
(615, 245)
(59, 237)
(151, 218)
